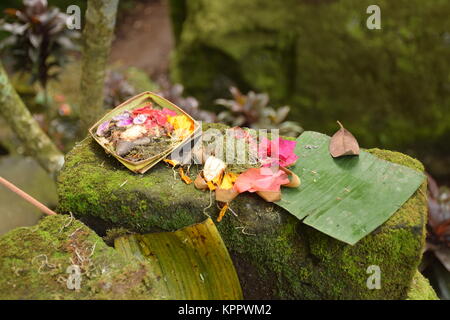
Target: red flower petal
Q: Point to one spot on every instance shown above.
(260, 179)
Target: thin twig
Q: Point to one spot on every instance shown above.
(68, 223)
(123, 183)
(209, 206)
(27, 197)
(244, 232)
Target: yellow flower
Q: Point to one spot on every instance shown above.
(182, 126)
(228, 180)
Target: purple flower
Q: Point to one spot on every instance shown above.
(124, 119)
(140, 119)
(102, 128)
(124, 122)
(123, 116)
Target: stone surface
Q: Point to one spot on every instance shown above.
(34, 262)
(321, 59)
(421, 289)
(276, 256)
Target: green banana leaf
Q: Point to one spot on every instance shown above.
(190, 263)
(348, 197)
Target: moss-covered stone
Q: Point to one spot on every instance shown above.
(322, 60)
(34, 262)
(421, 289)
(276, 256)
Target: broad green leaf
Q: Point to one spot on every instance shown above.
(348, 197)
(190, 263)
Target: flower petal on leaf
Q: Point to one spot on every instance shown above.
(261, 179)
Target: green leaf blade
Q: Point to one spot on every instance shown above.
(349, 197)
(190, 263)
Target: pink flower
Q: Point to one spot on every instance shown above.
(150, 123)
(169, 112)
(260, 179)
(159, 117)
(277, 152)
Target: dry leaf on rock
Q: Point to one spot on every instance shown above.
(226, 195)
(343, 143)
(200, 182)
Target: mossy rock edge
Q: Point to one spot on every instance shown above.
(276, 256)
(34, 264)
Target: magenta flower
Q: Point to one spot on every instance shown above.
(287, 155)
(124, 122)
(124, 119)
(277, 152)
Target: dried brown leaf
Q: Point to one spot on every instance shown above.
(343, 143)
(200, 182)
(226, 195)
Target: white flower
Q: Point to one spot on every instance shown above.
(133, 133)
(213, 167)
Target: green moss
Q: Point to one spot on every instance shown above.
(421, 289)
(113, 234)
(276, 256)
(398, 158)
(34, 262)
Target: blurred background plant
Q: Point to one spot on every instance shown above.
(117, 89)
(253, 110)
(39, 41)
(39, 45)
(174, 93)
(436, 261)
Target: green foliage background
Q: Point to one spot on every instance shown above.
(390, 87)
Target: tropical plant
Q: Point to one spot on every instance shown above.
(39, 39)
(117, 89)
(252, 110)
(174, 93)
